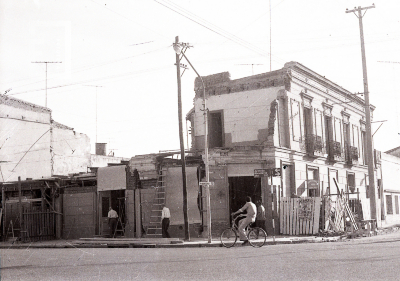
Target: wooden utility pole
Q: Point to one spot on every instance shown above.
(177, 48)
(182, 146)
(3, 206)
(369, 148)
(270, 37)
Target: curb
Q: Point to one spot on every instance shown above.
(181, 243)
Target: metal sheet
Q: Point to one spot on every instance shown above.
(111, 178)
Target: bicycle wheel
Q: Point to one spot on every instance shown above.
(257, 237)
(228, 237)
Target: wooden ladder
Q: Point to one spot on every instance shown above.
(154, 230)
(351, 216)
(119, 228)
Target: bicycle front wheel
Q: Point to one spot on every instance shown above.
(257, 237)
(228, 237)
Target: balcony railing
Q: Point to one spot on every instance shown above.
(314, 145)
(335, 151)
(377, 157)
(351, 155)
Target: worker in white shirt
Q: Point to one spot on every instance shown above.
(112, 221)
(165, 216)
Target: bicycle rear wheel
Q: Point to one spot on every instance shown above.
(228, 237)
(257, 237)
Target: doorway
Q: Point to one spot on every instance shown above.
(116, 200)
(239, 188)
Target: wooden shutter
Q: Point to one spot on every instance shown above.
(338, 130)
(295, 116)
(318, 122)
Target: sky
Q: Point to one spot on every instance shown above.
(112, 76)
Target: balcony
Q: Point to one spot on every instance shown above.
(335, 151)
(351, 155)
(314, 145)
(377, 157)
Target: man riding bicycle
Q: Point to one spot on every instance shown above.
(251, 212)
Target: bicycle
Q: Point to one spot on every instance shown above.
(255, 235)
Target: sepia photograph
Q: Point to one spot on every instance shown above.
(199, 140)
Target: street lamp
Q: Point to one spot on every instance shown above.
(178, 51)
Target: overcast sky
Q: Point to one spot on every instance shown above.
(122, 50)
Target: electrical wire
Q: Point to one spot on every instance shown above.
(213, 28)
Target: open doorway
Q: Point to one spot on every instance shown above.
(116, 200)
(239, 188)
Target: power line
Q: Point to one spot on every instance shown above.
(85, 68)
(92, 80)
(213, 28)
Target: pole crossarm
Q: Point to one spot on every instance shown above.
(359, 9)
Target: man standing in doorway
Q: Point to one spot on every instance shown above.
(112, 221)
(251, 211)
(165, 216)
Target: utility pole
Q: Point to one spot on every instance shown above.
(270, 37)
(370, 156)
(46, 62)
(182, 146)
(96, 104)
(177, 48)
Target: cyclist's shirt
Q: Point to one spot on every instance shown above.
(251, 209)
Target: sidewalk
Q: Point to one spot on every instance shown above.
(153, 242)
(179, 242)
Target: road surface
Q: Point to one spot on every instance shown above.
(375, 258)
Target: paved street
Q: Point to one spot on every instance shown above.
(374, 258)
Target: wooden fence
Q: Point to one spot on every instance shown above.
(299, 216)
(38, 226)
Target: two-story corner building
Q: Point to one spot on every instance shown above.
(293, 119)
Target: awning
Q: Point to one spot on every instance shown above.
(111, 178)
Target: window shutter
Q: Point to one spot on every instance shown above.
(318, 122)
(338, 130)
(295, 116)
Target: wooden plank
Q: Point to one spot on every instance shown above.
(283, 207)
(310, 218)
(291, 217)
(285, 216)
(317, 215)
(290, 208)
(296, 202)
(281, 217)
(315, 208)
(288, 201)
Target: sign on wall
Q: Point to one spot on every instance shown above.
(274, 172)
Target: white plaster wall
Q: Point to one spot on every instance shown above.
(244, 113)
(71, 151)
(391, 180)
(102, 161)
(25, 144)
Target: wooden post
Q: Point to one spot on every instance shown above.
(58, 217)
(43, 196)
(20, 206)
(3, 205)
(138, 219)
